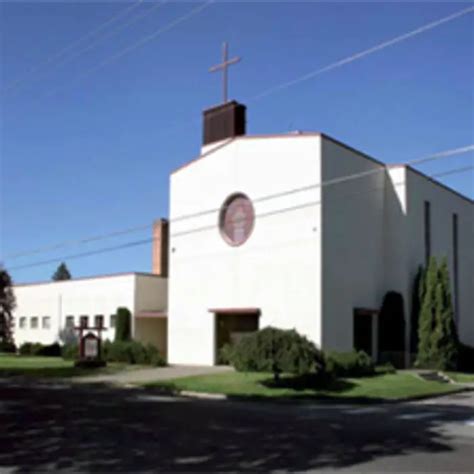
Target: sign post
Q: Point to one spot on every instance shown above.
(90, 345)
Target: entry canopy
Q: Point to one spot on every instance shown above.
(152, 314)
(233, 311)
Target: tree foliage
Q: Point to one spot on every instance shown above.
(7, 305)
(61, 273)
(277, 351)
(438, 341)
(123, 325)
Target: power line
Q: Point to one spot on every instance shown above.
(85, 254)
(208, 227)
(112, 32)
(435, 156)
(12, 84)
(313, 203)
(169, 26)
(366, 52)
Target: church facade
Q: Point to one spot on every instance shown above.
(269, 230)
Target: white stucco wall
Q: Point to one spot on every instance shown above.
(276, 270)
(352, 241)
(88, 297)
(443, 204)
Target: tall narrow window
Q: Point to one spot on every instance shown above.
(455, 268)
(427, 232)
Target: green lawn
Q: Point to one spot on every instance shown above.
(37, 366)
(461, 377)
(377, 388)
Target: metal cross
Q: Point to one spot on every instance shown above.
(224, 65)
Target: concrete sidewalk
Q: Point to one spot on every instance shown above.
(139, 376)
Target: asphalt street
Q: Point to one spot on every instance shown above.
(59, 427)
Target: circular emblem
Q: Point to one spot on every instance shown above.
(236, 219)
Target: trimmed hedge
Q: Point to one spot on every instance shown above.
(6, 346)
(123, 325)
(277, 351)
(349, 364)
(38, 349)
(133, 352)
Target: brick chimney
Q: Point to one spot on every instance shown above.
(160, 247)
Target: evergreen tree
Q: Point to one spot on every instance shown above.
(427, 314)
(416, 300)
(123, 325)
(61, 273)
(7, 305)
(445, 340)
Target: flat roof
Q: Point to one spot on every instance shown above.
(94, 277)
(305, 134)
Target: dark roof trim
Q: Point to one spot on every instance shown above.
(107, 275)
(228, 311)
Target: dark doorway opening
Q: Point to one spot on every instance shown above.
(365, 336)
(232, 325)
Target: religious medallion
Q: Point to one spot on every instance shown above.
(236, 219)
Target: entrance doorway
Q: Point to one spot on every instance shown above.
(232, 324)
(365, 331)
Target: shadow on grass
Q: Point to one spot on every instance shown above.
(99, 428)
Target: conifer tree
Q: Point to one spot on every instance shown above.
(445, 340)
(61, 273)
(7, 305)
(426, 322)
(123, 325)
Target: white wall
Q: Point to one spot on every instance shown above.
(352, 241)
(88, 296)
(443, 203)
(276, 270)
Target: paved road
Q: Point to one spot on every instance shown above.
(97, 428)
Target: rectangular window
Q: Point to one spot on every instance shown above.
(70, 322)
(22, 322)
(46, 322)
(113, 317)
(427, 220)
(84, 321)
(34, 322)
(455, 267)
(99, 321)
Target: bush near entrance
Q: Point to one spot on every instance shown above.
(277, 351)
(130, 352)
(349, 364)
(38, 349)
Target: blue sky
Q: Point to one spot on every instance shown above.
(86, 150)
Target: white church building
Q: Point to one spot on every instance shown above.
(293, 230)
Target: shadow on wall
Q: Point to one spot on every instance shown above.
(98, 428)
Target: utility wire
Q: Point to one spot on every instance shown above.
(169, 26)
(51, 59)
(112, 32)
(208, 227)
(435, 156)
(366, 52)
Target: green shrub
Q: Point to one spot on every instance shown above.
(70, 351)
(6, 346)
(225, 354)
(277, 351)
(30, 348)
(349, 364)
(123, 325)
(387, 368)
(132, 352)
(466, 358)
(50, 350)
(154, 357)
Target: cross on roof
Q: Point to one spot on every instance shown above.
(224, 66)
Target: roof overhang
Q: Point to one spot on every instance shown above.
(236, 311)
(152, 314)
